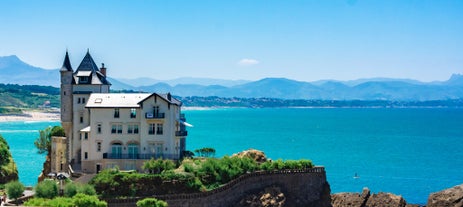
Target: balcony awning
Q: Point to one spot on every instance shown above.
(86, 129)
(185, 123)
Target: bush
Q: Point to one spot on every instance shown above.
(70, 189)
(151, 202)
(46, 189)
(82, 200)
(158, 165)
(14, 189)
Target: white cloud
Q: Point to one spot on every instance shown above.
(248, 62)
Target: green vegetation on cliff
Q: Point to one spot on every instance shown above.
(191, 175)
(8, 170)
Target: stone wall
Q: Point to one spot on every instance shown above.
(301, 187)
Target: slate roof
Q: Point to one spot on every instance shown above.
(66, 64)
(88, 68)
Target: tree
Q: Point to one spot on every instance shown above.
(5, 155)
(14, 190)
(43, 142)
(151, 202)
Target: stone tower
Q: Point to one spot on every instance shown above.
(66, 101)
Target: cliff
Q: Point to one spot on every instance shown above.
(365, 199)
(447, 198)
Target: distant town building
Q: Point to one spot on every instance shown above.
(105, 130)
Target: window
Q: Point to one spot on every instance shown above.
(83, 79)
(85, 135)
(80, 136)
(133, 151)
(132, 129)
(159, 130)
(99, 128)
(135, 129)
(78, 100)
(116, 150)
(116, 129)
(83, 100)
(98, 146)
(85, 155)
(116, 113)
(133, 113)
(151, 128)
(81, 119)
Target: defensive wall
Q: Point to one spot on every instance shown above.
(307, 188)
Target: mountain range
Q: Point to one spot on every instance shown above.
(13, 70)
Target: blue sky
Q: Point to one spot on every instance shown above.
(249, 39)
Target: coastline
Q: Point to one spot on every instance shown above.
(31, 116)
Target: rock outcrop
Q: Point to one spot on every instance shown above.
(46, 169)
(257, 155)
(365, 199)
(452, 197)
(270, 197)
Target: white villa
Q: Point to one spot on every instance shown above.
(104, 129)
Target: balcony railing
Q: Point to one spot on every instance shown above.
(181, 133)
(155, 115)
(140, 156)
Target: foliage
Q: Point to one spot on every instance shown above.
(151, 202)
(14, 189)
(57, 131)
(192, 175)
(82, 200)
(46, 189)
(43, 142)
(79, 200)
(5, 155)
(71, 189)
(205, 152)
(158, 165)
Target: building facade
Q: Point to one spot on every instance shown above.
(105, 130)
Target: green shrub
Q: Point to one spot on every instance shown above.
(151, 202)
(36, 202)
(70, 189)
(86, 189)
(82, 200)
(46, 189)
(158, 165)
(14, 189)
(60, 202)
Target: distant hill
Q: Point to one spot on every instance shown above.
(13, 70)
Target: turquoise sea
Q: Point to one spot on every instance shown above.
(407, 151)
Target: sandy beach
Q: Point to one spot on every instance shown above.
(31, 116)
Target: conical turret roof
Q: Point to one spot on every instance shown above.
(66, 64)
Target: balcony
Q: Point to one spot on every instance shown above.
(183, 133)
(155, 115)
(140, 156)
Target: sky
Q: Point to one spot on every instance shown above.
(241, 39)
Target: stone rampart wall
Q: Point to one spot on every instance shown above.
(301, 187)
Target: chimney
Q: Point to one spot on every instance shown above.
(103, 69)
(169, 97)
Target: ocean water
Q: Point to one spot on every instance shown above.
(411, 152)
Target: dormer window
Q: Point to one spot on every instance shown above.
(83, 79)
